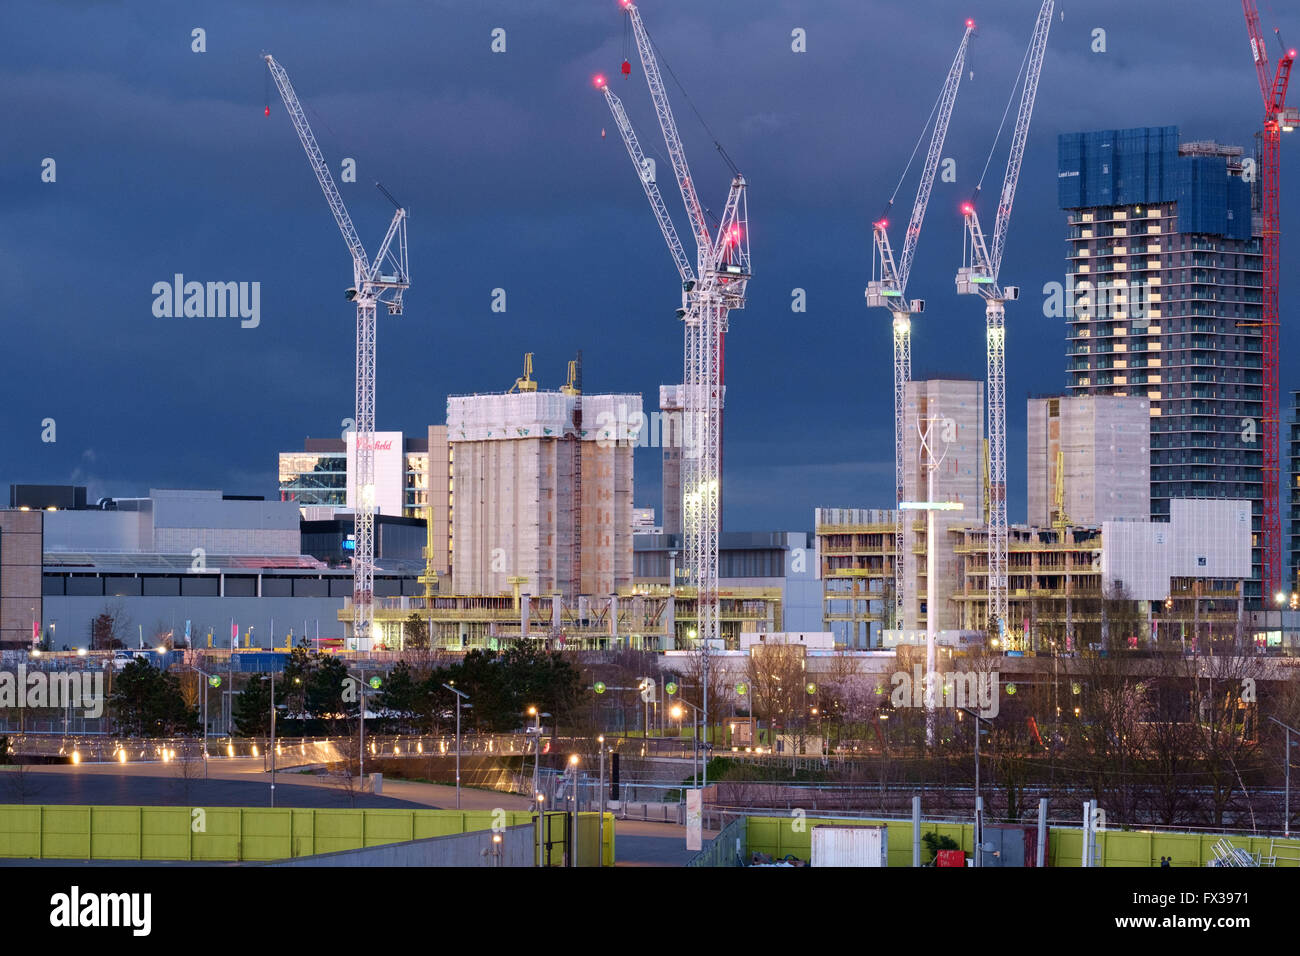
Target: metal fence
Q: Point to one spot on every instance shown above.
(727, 849)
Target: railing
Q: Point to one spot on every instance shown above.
(728, 848)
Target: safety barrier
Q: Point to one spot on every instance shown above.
(790, 835)
(233, 834)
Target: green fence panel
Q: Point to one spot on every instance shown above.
(249, 833)
(65, 833)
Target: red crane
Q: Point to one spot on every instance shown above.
(1276, 119)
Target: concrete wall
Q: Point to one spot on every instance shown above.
(1204, 538)
(20, 574)
(513, 512)
(98, 531)
(177, 522)
(73, 616)
(440, 497)
(671, 402)
(1105, 441)
(959, 478)
(465, 849)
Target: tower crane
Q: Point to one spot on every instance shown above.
(889, 291)
(715, 286)
(979, 276)
(1277, 119)
(381, 279)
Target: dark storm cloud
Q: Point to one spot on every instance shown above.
(166, 164)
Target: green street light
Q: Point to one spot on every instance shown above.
(599, 687)
(670, 688)
(375, 682)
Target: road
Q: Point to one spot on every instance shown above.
(242, 782)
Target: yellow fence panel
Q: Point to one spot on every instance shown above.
(220, 834)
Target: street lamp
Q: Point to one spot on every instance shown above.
(695, 741)
(376, 683)
(461, 697)
(573, 766)
(213, 681)
(1286, 756)
(536, 731)
(979, 801)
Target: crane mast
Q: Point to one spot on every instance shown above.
(717, 286)
(710, 291)
(1277, 118)
(889, 291)
(382, 279)
(979, 276)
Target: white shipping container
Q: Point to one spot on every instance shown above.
(847, 845)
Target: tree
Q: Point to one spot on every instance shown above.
(147, 702)
(532, 675)
(401, 697)
(253, 707)
(776, 685)
(415, 633)
(329, 693)
(110, 628)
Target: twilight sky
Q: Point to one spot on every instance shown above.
(166, 164)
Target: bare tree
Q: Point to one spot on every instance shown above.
(776, 675)
(19, 783)
(346, 774)
(188, 768)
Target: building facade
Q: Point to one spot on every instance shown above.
(671, 407)
(1100, 446)
(406, 471)
(537, 502)
(1164, 300)
(958, 441)
(1144, 579)
(21, 609)
(778, 564)
(855, 563)
(1293, 490)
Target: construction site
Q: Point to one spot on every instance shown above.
(511, 595)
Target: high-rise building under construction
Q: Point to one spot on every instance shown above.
(1164, 299)
(538, 503)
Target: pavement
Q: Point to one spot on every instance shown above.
(242, 782)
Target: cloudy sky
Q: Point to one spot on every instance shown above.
(165, 163)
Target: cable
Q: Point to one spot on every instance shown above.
(915, 149)
(663, 61)
(1005, 112)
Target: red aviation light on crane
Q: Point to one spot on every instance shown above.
(970, 24)
(967, 209)
(881, 224)
(598, 81)
(268, 111)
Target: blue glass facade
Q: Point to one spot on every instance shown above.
(1165, 299)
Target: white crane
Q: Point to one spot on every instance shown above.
(710, 290)
(382, 279)
(979, 276)
(889, 291)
